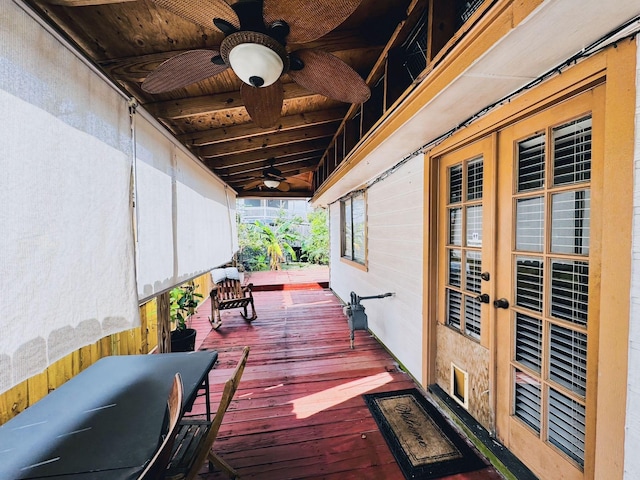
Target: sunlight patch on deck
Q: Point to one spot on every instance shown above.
(309, 405)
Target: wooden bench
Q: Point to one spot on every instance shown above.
(227, 293)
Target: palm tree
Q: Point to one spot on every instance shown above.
(277, 240)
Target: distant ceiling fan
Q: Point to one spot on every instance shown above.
(254, 47)
(271, 178)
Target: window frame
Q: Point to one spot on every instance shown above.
(351, 256)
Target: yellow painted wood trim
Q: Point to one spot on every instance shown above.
(430, 272)
(615, 277)
(352, 263)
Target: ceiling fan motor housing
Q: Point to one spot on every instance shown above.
(255, 57)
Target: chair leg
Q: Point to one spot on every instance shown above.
(253, 312)
(246, 316)
(215, 319)
(222, 465)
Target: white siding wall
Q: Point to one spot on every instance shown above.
(632, 440)
(394, 222)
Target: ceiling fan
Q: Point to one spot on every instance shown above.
(255, 48)
(271, 178)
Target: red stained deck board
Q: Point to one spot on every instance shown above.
(299, 413)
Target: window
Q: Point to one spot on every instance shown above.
(353, 217)
(252, 202)
(278, 204)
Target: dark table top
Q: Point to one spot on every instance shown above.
(106, 422)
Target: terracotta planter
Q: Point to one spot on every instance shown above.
(183, 340)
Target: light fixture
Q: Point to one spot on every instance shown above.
(256, 58)
(271, 183)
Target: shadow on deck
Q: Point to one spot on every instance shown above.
(299, 412)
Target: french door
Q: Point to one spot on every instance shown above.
(546, 271)
(517, 271)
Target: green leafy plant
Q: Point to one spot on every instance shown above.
(182, 302)
(315, 247)
(277, 240)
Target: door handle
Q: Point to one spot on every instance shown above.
(501, 303)
(483, 298)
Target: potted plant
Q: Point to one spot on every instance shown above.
(183, 301)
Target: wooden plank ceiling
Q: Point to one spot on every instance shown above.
(128, 39)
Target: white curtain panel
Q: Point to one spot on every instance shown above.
(186, 216)
(154, 205)
(66, 241)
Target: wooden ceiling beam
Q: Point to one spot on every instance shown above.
(239, 173)
(310, 157)
(263, 154)
(267, 141)
(208, 104)
(293, 170)
(287, 123)
(275, 193)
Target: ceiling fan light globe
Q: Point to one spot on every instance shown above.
(272, 183)
(252, 60)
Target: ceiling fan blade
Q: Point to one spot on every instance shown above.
(252, 185)
(201, 12)
(182, 70)
(284, 187)
(264, 104)
(309, 20)
(328, 75)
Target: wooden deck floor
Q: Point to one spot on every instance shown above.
(298, 413)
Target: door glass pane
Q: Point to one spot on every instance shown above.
(567, 425)
(454, 307)
(530, 224)
(455, 184)
(568, 359)
(572, 152)
(473, 269)
(529, 283)
(550, 291)
(570, 222)
(474, 226)
(531, 163)
(455, 226)
(472, 317)
(474, 179)
(570, 291)
(527, 399)
(529, 341)
(455, 262)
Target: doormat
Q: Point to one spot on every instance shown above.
(423, 443)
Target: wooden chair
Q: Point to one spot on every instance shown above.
(158, 464)
(195, 438)
(230, 293)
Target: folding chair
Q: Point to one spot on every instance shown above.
(195, 437)
(158, 464)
